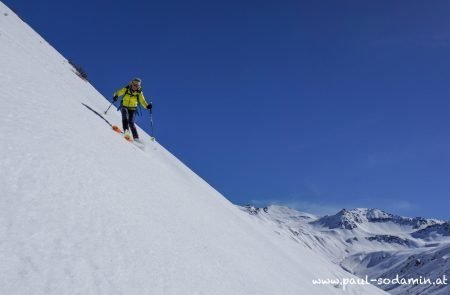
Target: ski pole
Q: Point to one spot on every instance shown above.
(151, 124)
(109, 107)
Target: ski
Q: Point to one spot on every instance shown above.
(116, 129)
(128, 138)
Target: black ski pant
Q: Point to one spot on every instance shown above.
(128, 118)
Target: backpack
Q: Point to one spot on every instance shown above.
(138, 108)
(128, 87)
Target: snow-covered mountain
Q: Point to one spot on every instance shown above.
(85, 212)
(360, 216)
(372, 243)
(432, 232)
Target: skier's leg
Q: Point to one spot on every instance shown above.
(131, 119)
(123, 110)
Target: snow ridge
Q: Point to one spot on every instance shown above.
(350, 219)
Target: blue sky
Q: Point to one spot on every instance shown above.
(318, 105)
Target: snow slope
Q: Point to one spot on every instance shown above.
(85, 212)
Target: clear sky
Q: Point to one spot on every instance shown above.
(318, 105)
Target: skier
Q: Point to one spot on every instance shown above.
(132, 95)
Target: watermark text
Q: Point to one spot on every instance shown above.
(381, 281)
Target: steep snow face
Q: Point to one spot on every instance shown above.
(371, 242)
(85, 212)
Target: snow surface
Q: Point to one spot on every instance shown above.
(85, 212)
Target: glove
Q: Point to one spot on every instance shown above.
(149, 106)
(115, 98)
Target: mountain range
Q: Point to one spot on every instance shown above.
(372, 243)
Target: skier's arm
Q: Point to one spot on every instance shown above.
(120, 92)
(142, 100)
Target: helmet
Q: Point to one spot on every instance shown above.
(136, 81)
